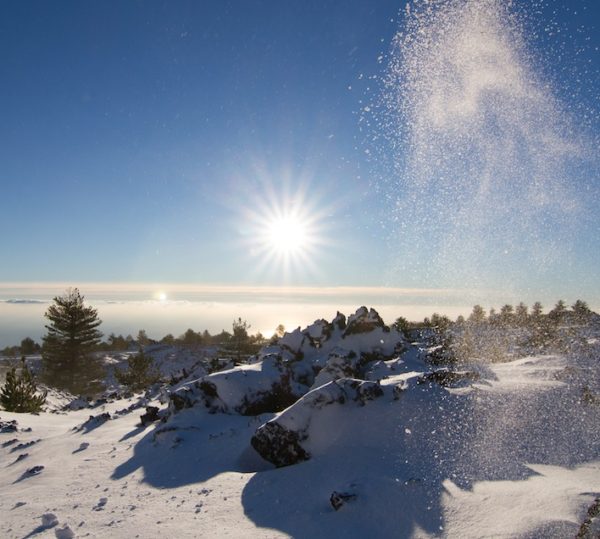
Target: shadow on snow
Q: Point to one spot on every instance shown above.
(429, 437)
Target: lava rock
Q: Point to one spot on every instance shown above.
(281, 440)
(278, 445)
(9, 426)
(338, 499)
(150, 416)
(93, 422)
(267, 386)
(364, 321)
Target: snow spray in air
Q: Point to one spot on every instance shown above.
(484, 162)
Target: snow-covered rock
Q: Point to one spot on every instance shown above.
(364, 321)
(253, 389)
(280, 440)
(301, 360)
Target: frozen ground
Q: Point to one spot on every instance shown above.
(514, 454)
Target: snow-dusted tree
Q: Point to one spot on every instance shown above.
(506, 314)
(142, 338)
(521, 315)
(581, 311)
(402, 325)
(140, 373)
(67, 353)
(536, 311)
(557, 314)
(477, 316)
(240, 336)
(19, 393)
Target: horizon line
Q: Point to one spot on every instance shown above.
(94, 287)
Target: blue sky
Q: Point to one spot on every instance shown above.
(154, 142)
(134, 133)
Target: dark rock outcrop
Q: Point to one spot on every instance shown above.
(269, 386)
(338, 499)
(150, 416)
(279, 445)
(364, 321)
(282, 440)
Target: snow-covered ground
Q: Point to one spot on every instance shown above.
(510, 450)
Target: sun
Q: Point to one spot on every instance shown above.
(285, 225)
(287, 234)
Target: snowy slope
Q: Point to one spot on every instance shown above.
(513, 453)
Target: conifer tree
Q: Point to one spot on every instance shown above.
(521, 314)
(67, 359)
(557, 314)
(19, 392)
(140, 373)
(477, 316)
(240, 336)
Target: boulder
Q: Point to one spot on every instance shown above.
(150, 416)
(281, 441)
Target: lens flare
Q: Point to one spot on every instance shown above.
(287, 234)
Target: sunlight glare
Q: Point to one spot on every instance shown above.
(287, 234)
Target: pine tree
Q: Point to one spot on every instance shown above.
(240, 336)
(506, 315)
(557, 314)
(67, 359)
(581, 311)
(19, 392)
(477, 316)
(521, 314)
(140, 373)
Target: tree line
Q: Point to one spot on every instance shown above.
(69, 349)
(507, 315)
(72, 340)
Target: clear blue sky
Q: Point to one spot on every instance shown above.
(150, 141)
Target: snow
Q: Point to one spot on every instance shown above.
(515, 453)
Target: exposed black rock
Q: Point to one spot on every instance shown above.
(278, 445)
(246, 390)
(10, 442)
(338, 499)
(9, 426)
(281, 440)
(364, 321)
(31, 472)
(24, 445)
(150, 416)
(93, 422)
